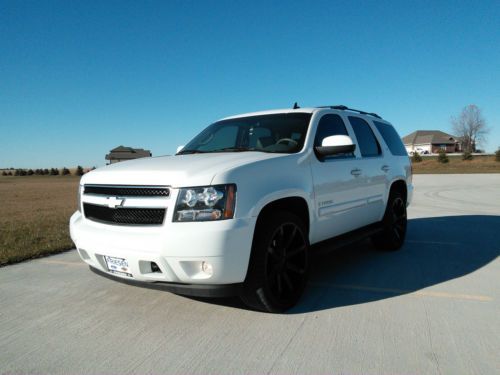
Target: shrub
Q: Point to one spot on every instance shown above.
(4, 173)
(467, 155)
(45, 171)
(17, 172)
(497, 155)
(30, 172)
(38, 171)
(65, 171)
(54, 171)
(79, 171)
(416, 158)
(442, 157)
(10, 173)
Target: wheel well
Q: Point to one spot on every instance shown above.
(400, 185)
(296, 205)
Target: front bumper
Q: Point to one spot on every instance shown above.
(194, 290)
(178, 249)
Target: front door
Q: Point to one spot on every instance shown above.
(338, 185)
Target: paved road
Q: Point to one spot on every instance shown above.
(432, 308)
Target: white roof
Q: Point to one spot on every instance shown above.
(275, 111)
(298, 110)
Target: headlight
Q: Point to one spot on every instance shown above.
(206, 203)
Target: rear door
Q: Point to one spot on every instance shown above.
(374, 168)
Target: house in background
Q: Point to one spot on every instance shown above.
(431, 141)
(122, 153)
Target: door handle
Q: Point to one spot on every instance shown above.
(356, 172)
(385, 168)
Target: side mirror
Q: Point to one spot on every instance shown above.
(179, 148)
(334, 145)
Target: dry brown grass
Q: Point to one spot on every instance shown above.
(34, 215)
(480, 164)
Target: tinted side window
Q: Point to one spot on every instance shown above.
(391, 137)
(329, 125)
(367, 143)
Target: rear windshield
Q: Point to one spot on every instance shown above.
(280, 133)
(391, 138)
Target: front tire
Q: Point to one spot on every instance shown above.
(394, 224)
(279, 264)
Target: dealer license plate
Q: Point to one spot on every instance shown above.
(118, 265)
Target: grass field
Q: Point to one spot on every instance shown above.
(34, 215)
(480, 164)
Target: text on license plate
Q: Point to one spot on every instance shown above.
(118, 265)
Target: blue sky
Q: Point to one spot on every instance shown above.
(79, 78)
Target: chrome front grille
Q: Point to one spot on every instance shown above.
(125, 204)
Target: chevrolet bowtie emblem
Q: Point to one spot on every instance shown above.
(114, 202)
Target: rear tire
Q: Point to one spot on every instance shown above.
(394, 224)
(279, 264)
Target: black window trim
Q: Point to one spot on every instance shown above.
(348, 129)
(382, 137)
(371, 126)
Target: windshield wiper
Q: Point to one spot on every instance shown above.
(225, 149)
(237, 149)
(182, 152)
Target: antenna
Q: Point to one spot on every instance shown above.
(296, 106)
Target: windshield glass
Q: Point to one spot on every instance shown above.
(283, 133)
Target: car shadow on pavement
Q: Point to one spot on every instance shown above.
(437, 249)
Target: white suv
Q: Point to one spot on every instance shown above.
(237, 209)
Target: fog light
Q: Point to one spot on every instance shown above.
(207, 268)
(155, 268)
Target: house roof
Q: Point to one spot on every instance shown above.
(121, 149)
(429, 136)
(123, 152)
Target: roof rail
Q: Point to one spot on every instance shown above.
(345, 108)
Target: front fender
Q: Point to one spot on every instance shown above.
(280, 194)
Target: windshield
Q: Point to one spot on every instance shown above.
(282, 133)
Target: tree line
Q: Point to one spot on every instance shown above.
(79, 171)
(443, 157)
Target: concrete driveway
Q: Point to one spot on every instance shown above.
(431, 308)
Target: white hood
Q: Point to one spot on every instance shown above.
(175, 171)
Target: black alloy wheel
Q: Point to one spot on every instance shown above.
(399, 219)
(279, 264)
(394, 224)
(286, 262)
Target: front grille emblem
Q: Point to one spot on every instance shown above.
(114, 202)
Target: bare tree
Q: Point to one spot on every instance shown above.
(471, 127)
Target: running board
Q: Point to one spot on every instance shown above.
(347, 239)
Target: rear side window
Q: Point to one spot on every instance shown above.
(329, 125)
(368, 144)
(391, 137)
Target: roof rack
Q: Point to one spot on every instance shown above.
(345, 108)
